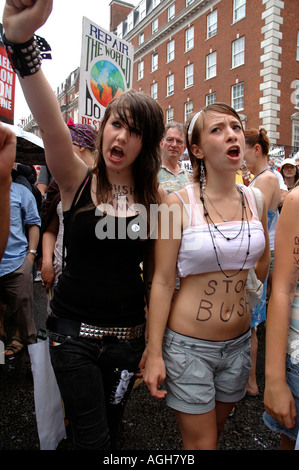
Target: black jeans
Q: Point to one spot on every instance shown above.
(95, 378)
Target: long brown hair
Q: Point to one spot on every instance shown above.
(139, 111)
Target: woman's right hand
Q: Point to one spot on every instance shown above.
(279, 402)
(154, 374)
(48, 275)
(21, 18)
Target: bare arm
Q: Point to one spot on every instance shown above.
(262, 265)
(166, 251)
(33, 238)
(7, 158)
(278, 398)
(48, 242)
(21, 19)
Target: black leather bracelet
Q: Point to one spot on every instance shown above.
(26, 58)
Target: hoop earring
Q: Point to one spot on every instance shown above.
(202, 178)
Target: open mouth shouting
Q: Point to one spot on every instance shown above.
(116, 154)
(234, 153)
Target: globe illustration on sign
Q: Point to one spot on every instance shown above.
(106, 82)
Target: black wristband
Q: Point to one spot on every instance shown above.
(26, 58)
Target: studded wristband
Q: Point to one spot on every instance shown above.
(26, 58)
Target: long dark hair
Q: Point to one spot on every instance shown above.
(145, 115)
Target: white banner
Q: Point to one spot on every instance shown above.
(106, 71)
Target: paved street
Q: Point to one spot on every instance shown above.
(148, 424)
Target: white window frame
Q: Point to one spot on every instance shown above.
(169, 115)
(142, 10)
(156, 3)
(238, 52)
(296, 94)
(140, 70)
(141, 38)
(189, 75)
(189, 38)
(170, 85)
(154, 61)
(154, 90)
(155, 25)
(188, 2)
(237, 99)
(130, 21)
(211, 65)
(212, 20)
(188, 110)
(171, 12)
(295, 136)
(170, 50)
(211, 98)
(239, 10)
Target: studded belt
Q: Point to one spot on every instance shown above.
(83, 330)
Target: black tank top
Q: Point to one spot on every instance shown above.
(101, 281)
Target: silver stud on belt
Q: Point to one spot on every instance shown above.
(121, 333)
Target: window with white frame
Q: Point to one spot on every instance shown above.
(142, 9)
(188, 2)
(169, 115)
(238, 96)
(140, 70)
(189, 38)
(296, 134)
(154, 61)
(238, 52)
(297, 57)
(154, 91)
(141, 37)
(155, 25)
(296, 94)
(211, 65)
(170, 50)
(189, 75)
(171, 12)
(188, 110)
(212, 24)
(170, 84)
(130, 21)
(239, 11)
(156, 3)
(210, 98)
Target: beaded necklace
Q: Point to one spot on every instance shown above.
(242, 228)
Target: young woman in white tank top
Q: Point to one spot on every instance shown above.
(206, 353)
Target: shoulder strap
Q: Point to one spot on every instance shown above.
(258, 200)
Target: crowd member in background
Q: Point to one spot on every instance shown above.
(7, 159)
(16, 289)
(215, 237)
(290, 172)
(282, 334)
(171, 176)
(256, 157)
(97, 325)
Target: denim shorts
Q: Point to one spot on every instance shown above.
(292, 370)
(201, 372)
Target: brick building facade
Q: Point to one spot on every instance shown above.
(243, 52)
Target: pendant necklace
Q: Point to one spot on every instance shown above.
(242, 229)
(220, 215)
